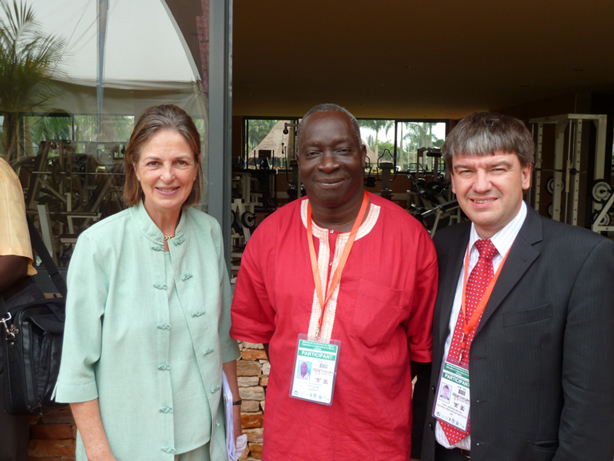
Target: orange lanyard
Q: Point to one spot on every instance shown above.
(481, 304)
(346, 252)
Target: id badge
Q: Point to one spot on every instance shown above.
(452, 401)
(315, 370)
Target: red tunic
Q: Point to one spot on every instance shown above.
(381, 312)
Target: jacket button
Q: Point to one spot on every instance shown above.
(431, 425)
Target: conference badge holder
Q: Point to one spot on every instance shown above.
(315, 370)
(452, 399)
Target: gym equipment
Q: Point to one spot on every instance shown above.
(68, 191)
(569, 185)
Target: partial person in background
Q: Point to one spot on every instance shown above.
(17, 288)
(148, 312)
(523, 332)
(340, 265)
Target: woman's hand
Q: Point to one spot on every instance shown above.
(230, 368)
(236, 419)
(87, 418)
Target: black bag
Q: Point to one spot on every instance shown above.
(33, 344)
(33, 348)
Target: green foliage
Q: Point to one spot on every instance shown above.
(28, 59)
(115, 128)
(49, 128)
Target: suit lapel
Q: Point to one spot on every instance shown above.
(522, 254)
(449, 279)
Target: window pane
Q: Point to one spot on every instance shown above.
(67, 135)
(413, 136)
(378, 135)
(266, 140)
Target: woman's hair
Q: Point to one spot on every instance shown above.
(486, 133)
(152, 121)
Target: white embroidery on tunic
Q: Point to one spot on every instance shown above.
(323, 261)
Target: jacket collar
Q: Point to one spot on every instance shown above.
(148, 228)
(453, 266)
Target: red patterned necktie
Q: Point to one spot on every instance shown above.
(480, 277)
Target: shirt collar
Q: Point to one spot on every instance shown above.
(322, 233)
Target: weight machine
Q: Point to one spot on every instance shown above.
(73, 188)
(567, 170)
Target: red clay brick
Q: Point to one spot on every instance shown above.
(58, 415)
(253, 354)
(52, 431)
(51, 448)
(250, 420)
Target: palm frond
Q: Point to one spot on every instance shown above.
(28, 60)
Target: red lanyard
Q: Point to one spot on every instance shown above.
(481, 304)
(346, 252)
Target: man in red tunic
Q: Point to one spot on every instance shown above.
(378, 298)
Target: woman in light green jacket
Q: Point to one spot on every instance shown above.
(148, 312)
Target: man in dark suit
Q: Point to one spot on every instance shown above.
(526, 340)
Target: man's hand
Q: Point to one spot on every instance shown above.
(12, 269)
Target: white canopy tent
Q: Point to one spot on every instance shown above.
(146, 59)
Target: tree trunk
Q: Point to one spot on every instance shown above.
(11, 136)
(11, 128)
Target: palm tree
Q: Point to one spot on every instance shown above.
(377, 126)
(420, 134)
(28, 59)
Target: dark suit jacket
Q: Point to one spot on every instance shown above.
(541, 364)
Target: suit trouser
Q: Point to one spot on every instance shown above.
(14, 429)
(443, 454)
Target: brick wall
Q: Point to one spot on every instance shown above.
(253, 376)
(53, 434)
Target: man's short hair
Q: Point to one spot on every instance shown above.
(325, 108)
(486, 133)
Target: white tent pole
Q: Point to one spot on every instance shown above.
(103, 8)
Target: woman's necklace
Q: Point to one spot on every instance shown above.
(168, 237)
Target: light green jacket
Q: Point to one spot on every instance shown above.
(116, 339)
